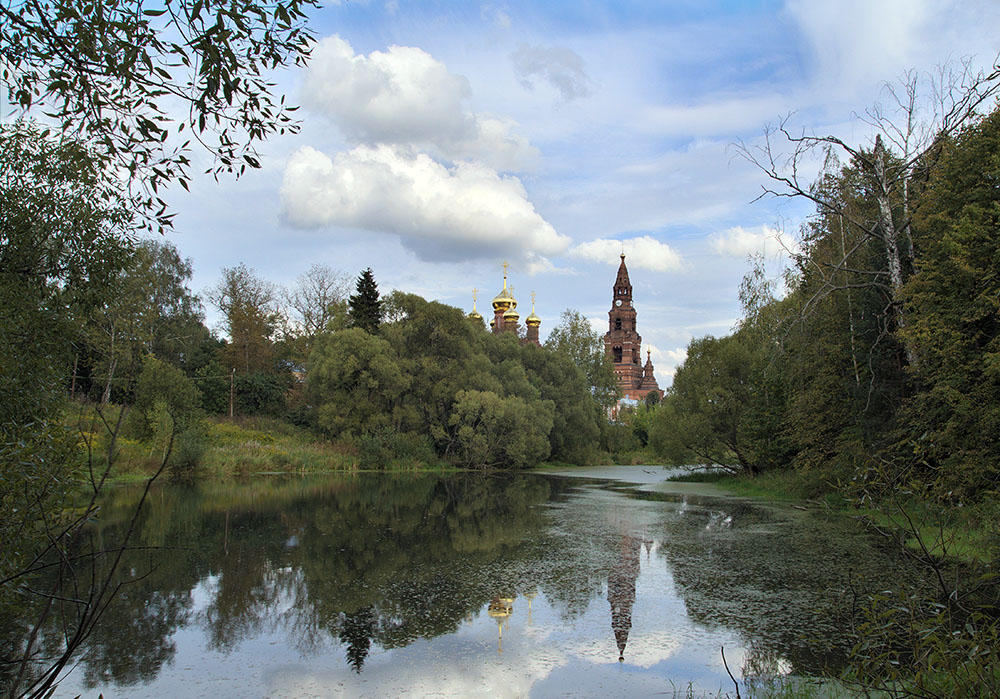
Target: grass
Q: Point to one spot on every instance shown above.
(968, 534)
(245, 446)
(782, 486)
(241, 446)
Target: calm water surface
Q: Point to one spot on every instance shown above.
(470, 585)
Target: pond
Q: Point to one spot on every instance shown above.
(599, 582)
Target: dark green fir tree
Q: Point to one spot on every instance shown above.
(365, 307)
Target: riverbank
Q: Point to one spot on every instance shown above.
(967, 534)
(219, 447)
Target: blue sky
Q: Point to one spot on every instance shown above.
(441, 138)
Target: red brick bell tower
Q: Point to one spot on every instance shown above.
(623, 344)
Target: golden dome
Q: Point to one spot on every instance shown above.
(511, 314)
(475, 314)
(533, 320)
(504, 300)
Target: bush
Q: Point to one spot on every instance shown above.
(189, 448)
(166, 401)
(214, 387)
(261, 394)
(386, 447)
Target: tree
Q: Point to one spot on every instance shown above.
(717, 412)
(319, 300)
(318, 304)
(113, 76)
(163, 391)
(148, 311)
(171, 324)
(904, 152)
(954, 301)
(576, 338)
(497, 432)
(365, 308)
(63, 236)
(577, 419)
(354, 381)
(213, 383)
(251, 319)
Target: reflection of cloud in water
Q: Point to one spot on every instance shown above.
(460, 668)
(644, 649)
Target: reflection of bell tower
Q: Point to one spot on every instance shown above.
(621, 590)
(500, 609)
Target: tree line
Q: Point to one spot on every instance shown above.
(104, 341)
(393, 377)
(861, 370)
(873, 374)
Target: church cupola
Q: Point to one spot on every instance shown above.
(475, 313)
(533, 322)
(504, 301)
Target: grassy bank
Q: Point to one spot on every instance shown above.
(968, 534)
(221, 447)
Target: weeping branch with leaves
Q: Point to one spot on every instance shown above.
(117, 73)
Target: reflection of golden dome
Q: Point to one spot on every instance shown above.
(500, 607)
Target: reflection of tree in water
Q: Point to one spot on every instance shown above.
(780, 580)
(356, 561)
(356, 632)
(621, 590)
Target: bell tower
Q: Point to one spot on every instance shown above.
(622, 343)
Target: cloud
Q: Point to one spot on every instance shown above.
(643, 253)
(739, 242)
(538, 265)
(499, 17)
(846, 39)
(403, 96)
(559, 66)
(465, 211)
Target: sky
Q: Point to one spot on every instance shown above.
(440, 139)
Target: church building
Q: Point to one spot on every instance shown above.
(623, 344)
(506, 319)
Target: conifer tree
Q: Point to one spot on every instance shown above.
(365, 307)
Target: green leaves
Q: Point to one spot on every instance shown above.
(106, 75)
(365, 308)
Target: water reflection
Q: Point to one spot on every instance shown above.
(419, 583)
(621, 590)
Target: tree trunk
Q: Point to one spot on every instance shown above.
(890, 238)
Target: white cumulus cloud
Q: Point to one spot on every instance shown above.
(740, 242)
(644, 252)
(464, 211)
(404, 96)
